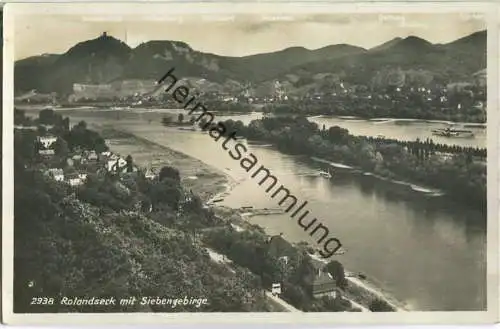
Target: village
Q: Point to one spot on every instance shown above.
(75, 164)
(80, 163)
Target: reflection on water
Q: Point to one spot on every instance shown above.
(427, 251)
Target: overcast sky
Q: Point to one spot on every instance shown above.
(240, 35)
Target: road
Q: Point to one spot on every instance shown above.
(222, 259)
(284, 305)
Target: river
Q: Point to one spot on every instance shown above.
(426, 251)
(401, 129)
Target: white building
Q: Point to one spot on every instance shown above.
(92, 156)
(47, 141)
(57, 174)
(46, 152)
(114, 165)
(150, 174)
(76, 179)
(76, 157)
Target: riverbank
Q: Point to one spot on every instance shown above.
(386, 119)
(202, 179)
(212, 184)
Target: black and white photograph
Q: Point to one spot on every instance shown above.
(267, 159)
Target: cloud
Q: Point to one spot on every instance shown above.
(257, 26)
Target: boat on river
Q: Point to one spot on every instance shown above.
(452, 132)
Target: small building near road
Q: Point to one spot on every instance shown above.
(57, 174)
(76, 179)
(323, 284)
(46, 152)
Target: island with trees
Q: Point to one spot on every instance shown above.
(458, 171)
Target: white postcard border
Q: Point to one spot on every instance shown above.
(491, 12)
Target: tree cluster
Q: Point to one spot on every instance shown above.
(250, 249)
(458, 171)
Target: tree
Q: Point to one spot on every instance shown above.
(130, 163)
(304, 273)
(82, 125)
(46, 116)
(336, 269)
(379, 305)
(337, 134)
(180, 118)
(19, 117)
(166, 192)
(296, 296)
(169, 172)
(42, 130)
(61, 147)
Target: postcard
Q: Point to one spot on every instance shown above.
(310, 163)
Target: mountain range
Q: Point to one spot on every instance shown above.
(107, 59)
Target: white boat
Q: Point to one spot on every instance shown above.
(325, 174)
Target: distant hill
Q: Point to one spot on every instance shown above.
(33, 72)
(106, 59)
(443, 62)
(94, 61)
(386, 45)
(257, 68)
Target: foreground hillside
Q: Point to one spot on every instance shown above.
(114, 236)
(65, 247)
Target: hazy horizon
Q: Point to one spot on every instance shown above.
(241, 35)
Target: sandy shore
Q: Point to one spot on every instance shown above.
(204, 180)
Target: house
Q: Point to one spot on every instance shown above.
(115, 164)
(92, 156)
(47, 141)
(46, 152)
(57, 174)
(89, 156)
(76, 158)
(323, 284)
(150, 174)
(76, 179)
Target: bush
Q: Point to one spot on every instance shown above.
(379, 305)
